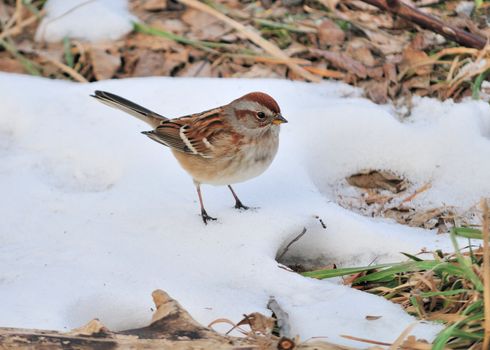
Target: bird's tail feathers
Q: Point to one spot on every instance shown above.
(150, 117)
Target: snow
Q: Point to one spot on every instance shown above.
(91, 20)
(96, 216)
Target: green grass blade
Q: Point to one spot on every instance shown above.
(466, 266)
(467, 232)
(67, 51)
(445, 293)
(31, 67)
(204, 45)
(476, 86)
(321, 274)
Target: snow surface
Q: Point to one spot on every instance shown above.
(91, 20)
(96, 216)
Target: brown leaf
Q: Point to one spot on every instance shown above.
(380, 179)
(143, 41)
(197, 69)
(377, 91)
(342, 61)
(149, 63)
(105, 62)
(330, 34)
(155, 5)
(359, 51)
(11, 65)
(412, 62)
(204, 26)
(258, 323)
(91, 328)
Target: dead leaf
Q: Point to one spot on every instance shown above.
(197, 69)
(359, 51)
(377, 91)
(105, 62)
(414, 62)
(155, 5)
(143, 41)
(330, 34)
(342, 61)
(203, 25)
(11, 65)
(91, 328)
(258, 323)
(380, 179)
(149, 63)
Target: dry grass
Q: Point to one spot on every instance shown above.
(450, 288)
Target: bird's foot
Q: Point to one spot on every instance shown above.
(206, 217)
(239, 205)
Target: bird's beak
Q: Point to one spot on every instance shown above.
(279, 119)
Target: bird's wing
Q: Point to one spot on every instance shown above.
(202, 134)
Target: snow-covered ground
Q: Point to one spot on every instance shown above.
(95, 216)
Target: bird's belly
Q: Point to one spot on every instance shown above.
(245, 165)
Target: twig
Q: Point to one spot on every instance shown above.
(254, 37)
(426, 21)
(486, 273)
(291, 243)
(282, 317)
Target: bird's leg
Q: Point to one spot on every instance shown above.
(205, 216)
(238, 203)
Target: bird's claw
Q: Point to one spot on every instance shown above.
(206, 217)
(239, 205)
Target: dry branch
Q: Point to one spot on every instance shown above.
(426, 21)
(172, 327)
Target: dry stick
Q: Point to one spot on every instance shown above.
(254, 37)
(426, 21)
(486, 273)
(291, 243)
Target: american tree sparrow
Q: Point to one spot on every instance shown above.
(221, 146)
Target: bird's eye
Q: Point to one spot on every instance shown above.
(261, 115)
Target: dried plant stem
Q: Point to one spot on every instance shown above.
(17, 29)
(269, 47)
(268, 59)
(68, 70)
(486, 273)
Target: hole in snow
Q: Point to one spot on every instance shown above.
(303, 250)
(382, 193)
